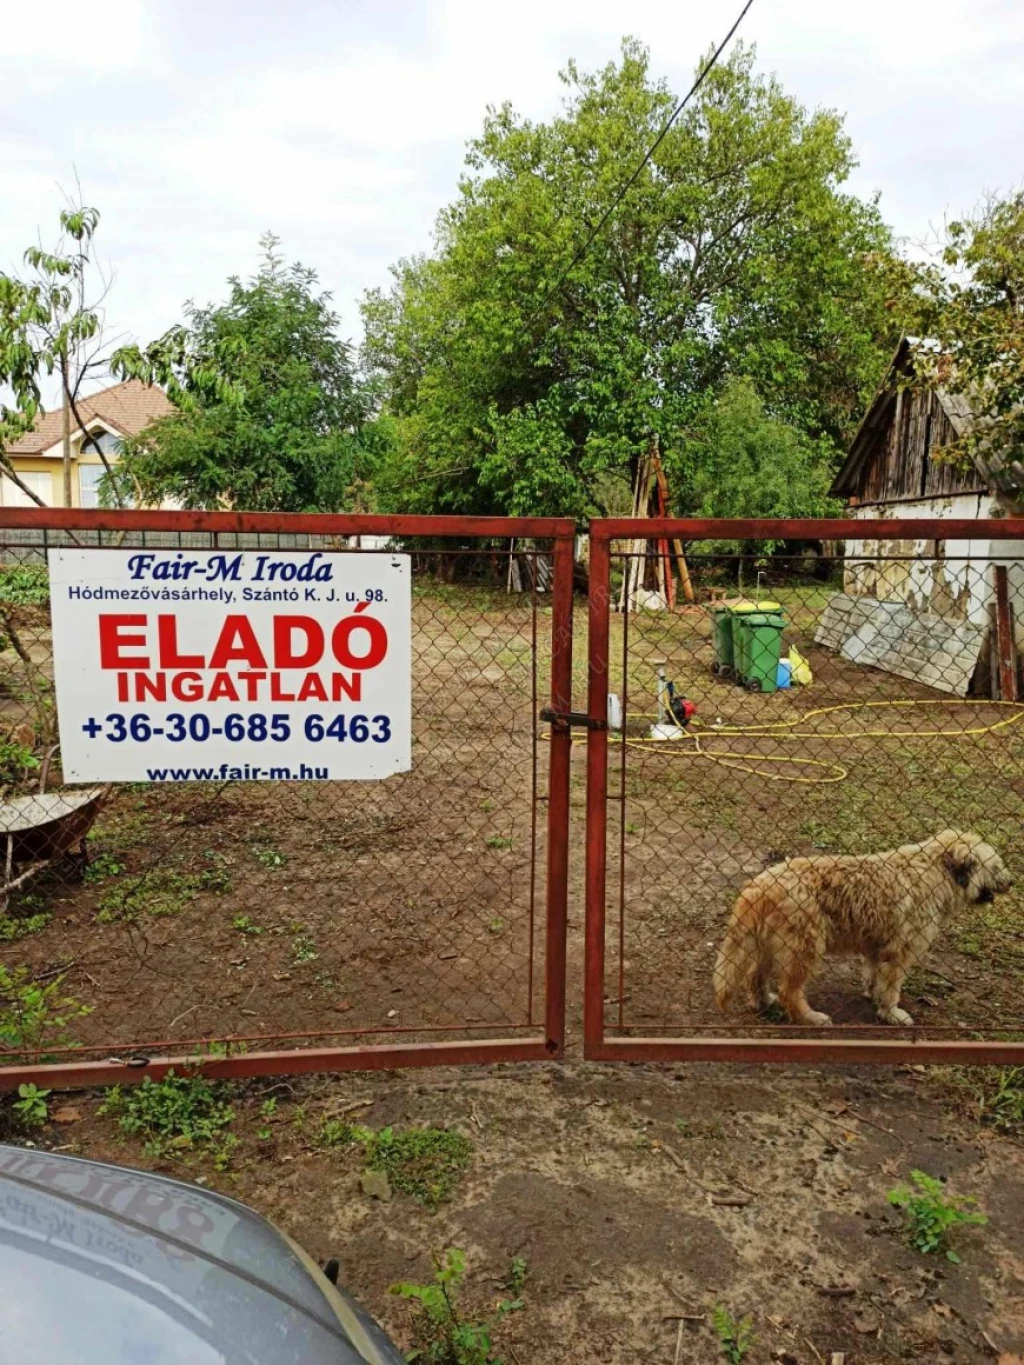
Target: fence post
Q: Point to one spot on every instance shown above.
(597, 792)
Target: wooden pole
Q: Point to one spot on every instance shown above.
(1004, 638)
(677, 545)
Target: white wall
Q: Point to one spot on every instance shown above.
(951, 578)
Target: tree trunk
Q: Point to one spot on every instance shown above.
(66, 396)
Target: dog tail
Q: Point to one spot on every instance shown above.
(739, 958)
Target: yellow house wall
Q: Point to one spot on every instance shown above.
(37, 464)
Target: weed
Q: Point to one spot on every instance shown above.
(498, 841)
(270, 857)
(263, 1134)
(31, 1106)
(268, 1109)
(518, 1273)
(631, 828)
(1004, 1106)
(104, 865)
(487, 805)
(735, 1338)
(245, 925)
(931, 1213)
(34, 1016)
(13, 927)
(442, 1336)
(338, 1133)
(496, 926)
(16, 762)
(179, 1113)
(304, 949)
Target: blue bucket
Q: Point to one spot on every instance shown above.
(784, 676)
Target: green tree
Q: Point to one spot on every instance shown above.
(52, 321)
(971, 309)
(735, 253)
(270, 411)
(739, 461)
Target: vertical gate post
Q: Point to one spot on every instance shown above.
(558, 796)
(597, 792)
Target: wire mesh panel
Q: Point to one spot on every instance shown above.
(806, 832)
(288, 925)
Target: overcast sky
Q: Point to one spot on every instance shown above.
(195, 125)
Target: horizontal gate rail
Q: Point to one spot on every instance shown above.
(539, 813)
(607, 1040)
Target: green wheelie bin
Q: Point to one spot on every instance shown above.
(757, 647)
(723, 616)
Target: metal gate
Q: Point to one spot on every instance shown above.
(870, 703)
(281, 927)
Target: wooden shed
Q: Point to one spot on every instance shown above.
(922, 608)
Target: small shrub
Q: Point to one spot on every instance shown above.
(735, 1339)
(931, 1213)
(442, 1335)
(34, 1016)
(24, 585)
(31, 1106)
(179, 1113)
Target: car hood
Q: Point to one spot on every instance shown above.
(102, 1264)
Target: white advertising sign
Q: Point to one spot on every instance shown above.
(209, 665)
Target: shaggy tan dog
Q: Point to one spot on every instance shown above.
(887, 908)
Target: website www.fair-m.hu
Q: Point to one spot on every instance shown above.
(246, 772)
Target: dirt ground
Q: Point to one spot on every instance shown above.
(641, 1200)
(415, 907)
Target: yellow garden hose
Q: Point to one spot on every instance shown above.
(689, 742)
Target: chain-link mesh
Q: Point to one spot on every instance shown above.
(816, 798)
(279, 914)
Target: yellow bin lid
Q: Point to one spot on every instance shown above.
(745, 606)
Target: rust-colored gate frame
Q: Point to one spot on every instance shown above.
(596, 1045)
(551, 1044)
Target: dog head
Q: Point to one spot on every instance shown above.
(973, 864)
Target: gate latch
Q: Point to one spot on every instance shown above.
(565, 720)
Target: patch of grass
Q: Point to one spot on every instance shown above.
(931, 1213)
(104, 866)
(13, 927)
(443, 1335)
(160, 891)
(1003, 1105)
(424, 1163)
(177, 1114)
(735, 1338)
(499, 841)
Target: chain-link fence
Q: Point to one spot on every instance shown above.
(807, 818)
(282, 925)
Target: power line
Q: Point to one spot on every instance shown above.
(702, 75)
